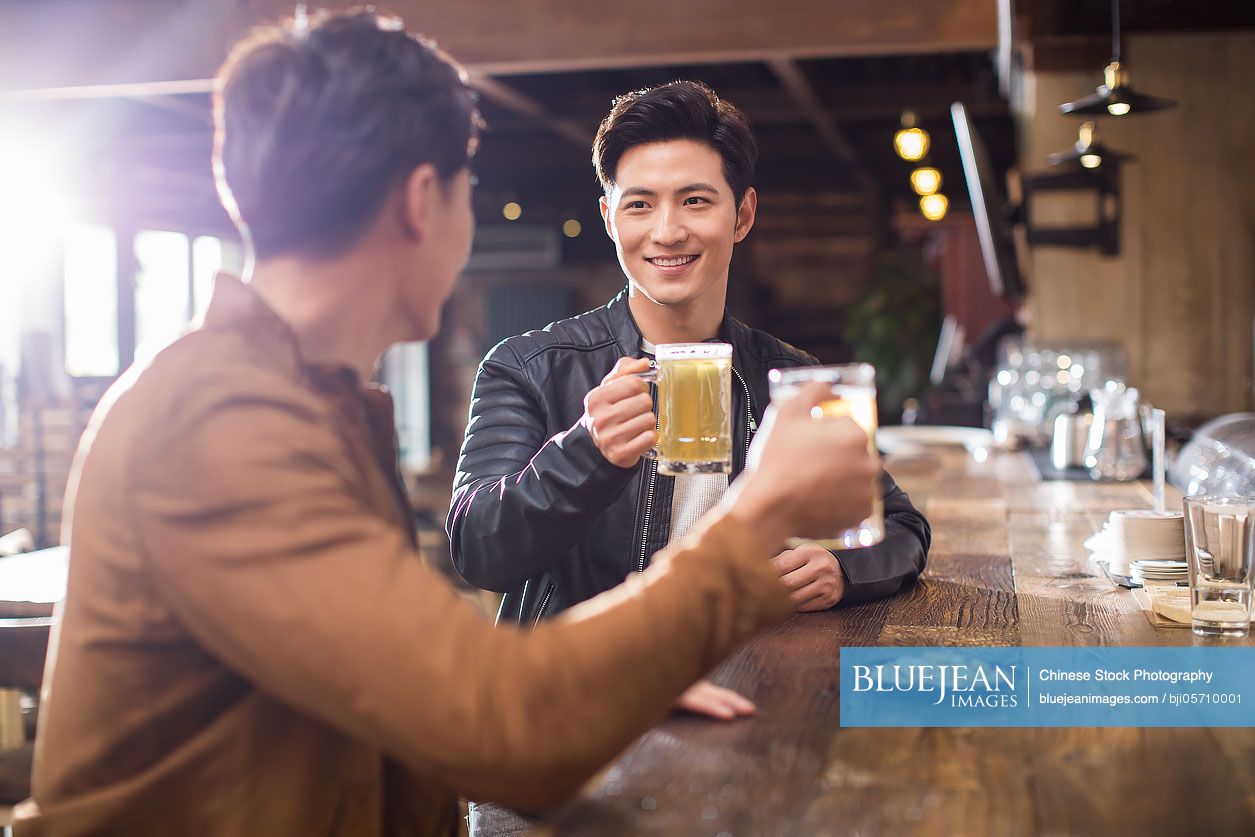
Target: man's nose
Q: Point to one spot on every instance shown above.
(670, 229)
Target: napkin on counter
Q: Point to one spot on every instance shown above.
(1171, 603)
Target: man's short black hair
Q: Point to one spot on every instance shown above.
(317, 121)
(677, 110)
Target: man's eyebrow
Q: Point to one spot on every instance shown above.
(641, 191)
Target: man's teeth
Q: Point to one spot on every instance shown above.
(675, 262)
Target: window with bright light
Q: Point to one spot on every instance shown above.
(174, 275)
(91, 301)
(162, 291)
(207, 260)
(405, 373)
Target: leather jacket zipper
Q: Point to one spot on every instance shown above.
(649, 507)
(649, 504)
(749, 414)
(544, 603)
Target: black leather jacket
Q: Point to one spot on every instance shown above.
(540, 515)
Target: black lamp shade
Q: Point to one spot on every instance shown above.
(1115, 97)
(1076, 152)
(1088, 150)
(1097, 104)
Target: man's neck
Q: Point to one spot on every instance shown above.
(335, 324)
(691, 323)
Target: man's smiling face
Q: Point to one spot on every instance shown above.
(674, 220)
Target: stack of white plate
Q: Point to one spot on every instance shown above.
(1151, 571)
(1142, 534)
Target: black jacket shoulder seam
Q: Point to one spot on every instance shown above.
(566, 346)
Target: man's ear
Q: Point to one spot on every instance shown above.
(604, 203)
(745, 214)
(418, 201)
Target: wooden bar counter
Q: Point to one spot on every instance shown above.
(1007, 567)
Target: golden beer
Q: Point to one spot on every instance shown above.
(853, 389)
(694, 408)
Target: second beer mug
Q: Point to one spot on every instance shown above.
(694, 383)
(853, 388)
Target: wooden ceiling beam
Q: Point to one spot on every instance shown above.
(555, 35)
(533, 110)
(76, 42)
(128, 90)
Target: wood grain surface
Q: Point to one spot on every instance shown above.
(1007, 567)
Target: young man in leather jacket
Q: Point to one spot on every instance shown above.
(553, 502)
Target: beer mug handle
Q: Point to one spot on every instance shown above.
(650, 376)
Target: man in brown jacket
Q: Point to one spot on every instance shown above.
(250, 643)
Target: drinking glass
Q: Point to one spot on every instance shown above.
(694, 382)
(1220, 549)
(853, 394)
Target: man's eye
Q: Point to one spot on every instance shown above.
(636, 205)
(695, 201)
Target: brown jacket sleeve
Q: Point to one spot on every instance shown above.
(249, 517)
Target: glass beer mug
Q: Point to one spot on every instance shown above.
(853, 394)
(694, 382)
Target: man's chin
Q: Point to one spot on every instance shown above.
(422, 335)
(677, 293)
(423, 327)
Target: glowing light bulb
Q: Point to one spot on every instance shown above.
(571, 228)
(925, 180)
(911, 143)
(1091, 161)
(512, 211)
(934, 206)
(1118, 108)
